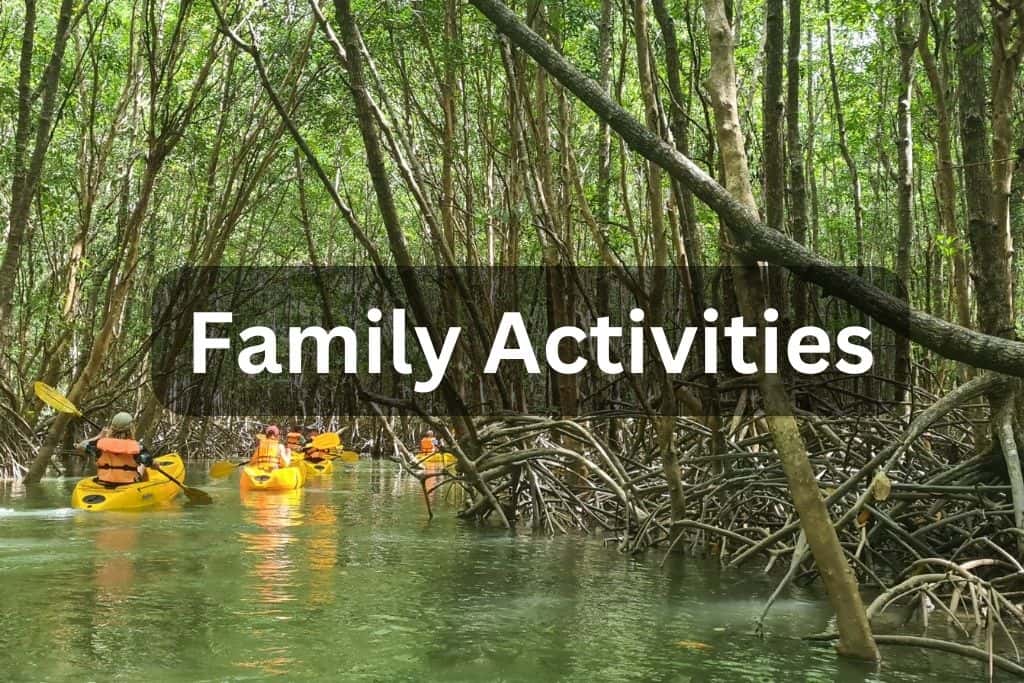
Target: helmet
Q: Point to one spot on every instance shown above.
(122, 421)
(273, 431)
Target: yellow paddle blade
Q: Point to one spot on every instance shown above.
(55, 399)
(222, 468)
(197, 496)
(324, 442)
(348, 456)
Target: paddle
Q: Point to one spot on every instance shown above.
(223, 468)
(62, 404)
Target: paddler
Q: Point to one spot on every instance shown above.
(428, 444)
(312, 455)
(294, 439)
(120, 459)
(270, 453)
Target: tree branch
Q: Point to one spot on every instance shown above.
(755, 239)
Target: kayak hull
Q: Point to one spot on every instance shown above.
(436, 460)
(156, 491)
(324, 468)
(281, 479)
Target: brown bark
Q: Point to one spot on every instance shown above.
(1007, 52)
(991, 244)
(771, 140)
(121, 282)
(812, 181)
(945, 179)
(678, 112)
(795, 155)
(907, 41)
(691, 235)
(559, 260)
(855, 633)
(666, 421)
(988, 241)
(162, 132)
(448, 96)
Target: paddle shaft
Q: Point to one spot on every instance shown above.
(164, 472)
(90, 421)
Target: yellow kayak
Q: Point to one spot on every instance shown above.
(281, 479)
(323, 468)
(157, 490)
(436, 460)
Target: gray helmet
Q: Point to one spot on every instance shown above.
(122, 421)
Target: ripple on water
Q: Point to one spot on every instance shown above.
(42, 513)
(354, 583)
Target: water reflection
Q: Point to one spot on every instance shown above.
(272, 574)
(441, 485)
(375, 477)
(114, 575)
(341, 581)
(322, 544)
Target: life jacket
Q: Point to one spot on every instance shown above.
(294, 440)
(427, 445)
(267, 455)
(116, 463)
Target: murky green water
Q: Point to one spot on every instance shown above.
(350, 581)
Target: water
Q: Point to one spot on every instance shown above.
(348, 580)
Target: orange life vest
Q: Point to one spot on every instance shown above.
(116, 463)
(427, 444)
(267, 455)
(294, 440)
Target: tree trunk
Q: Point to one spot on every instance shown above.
(904, 191)
(1007, 50)
(772, 136)
(27, 173)
(665, 422)
(811, 129)
(987, 231)
(844, 147)
(987, 236)
(679, 126)
(795, 155)
(945, 179)
(396, 240)
(121, 281)
(754, 239)
(855, 633)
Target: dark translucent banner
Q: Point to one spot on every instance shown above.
(487, 341)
